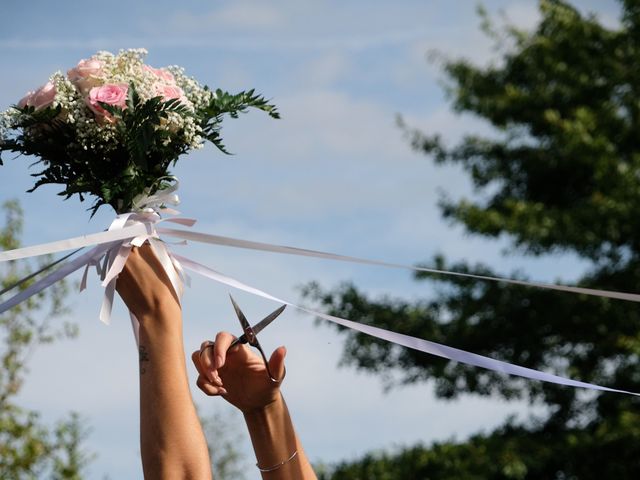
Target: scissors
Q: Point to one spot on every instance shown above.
(250, 333)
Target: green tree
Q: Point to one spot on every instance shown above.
(559, 174)
(28, 447)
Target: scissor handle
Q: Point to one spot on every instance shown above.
(243, 340)
(266, 363)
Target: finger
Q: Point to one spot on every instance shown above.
(208, 388)
(198, 358)
(206, 360)
(276, 363)
(195, 358)
(222, 344)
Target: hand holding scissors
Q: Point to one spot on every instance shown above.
(228, 367)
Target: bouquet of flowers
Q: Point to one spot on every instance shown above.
(113, 125)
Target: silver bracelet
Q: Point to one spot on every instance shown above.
(275, 467)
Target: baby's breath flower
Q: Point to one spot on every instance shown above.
(88, 108)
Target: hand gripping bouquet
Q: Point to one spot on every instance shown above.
(113, 125)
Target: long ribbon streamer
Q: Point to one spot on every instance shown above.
(57, 275)
(76, 242)
(268, 247)
(133, 229)
(38, 272)
(415, 343)
(143, 230)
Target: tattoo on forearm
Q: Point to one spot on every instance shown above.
(144, 357)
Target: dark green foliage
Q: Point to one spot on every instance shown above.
(233, 105)
(560, 173)
(509, 453)
(138, 158)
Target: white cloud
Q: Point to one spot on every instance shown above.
(324, 124)
(229, 74)
(325, 70)
(232, 16)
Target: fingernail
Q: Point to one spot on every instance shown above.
(223, 391)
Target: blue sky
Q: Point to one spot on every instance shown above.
(334, 174)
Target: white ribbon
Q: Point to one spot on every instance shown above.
(134, 228)
(148, 209)
(72, 243)
(268, 247)
(419, 344)
(112, 250)
(148, 231)
(159, 200)
(93, 255)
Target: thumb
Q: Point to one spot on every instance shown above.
(276, 363)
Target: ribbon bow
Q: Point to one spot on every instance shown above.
(147, 210)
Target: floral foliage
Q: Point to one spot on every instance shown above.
(113, 125)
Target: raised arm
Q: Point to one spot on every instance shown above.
(172, 443)
(239, 375)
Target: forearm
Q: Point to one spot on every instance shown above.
(275, 441)
(172, 443)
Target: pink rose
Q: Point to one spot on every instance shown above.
(24, 101)
(169, 92)
(162, 74)
(41, 98)
(112, 94)
(86, 74)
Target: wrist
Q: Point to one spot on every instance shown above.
(271, 410)
(162, 311)
(267, 422)
(272, 434)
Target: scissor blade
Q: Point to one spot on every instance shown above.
(241, 317)
(258, 327)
